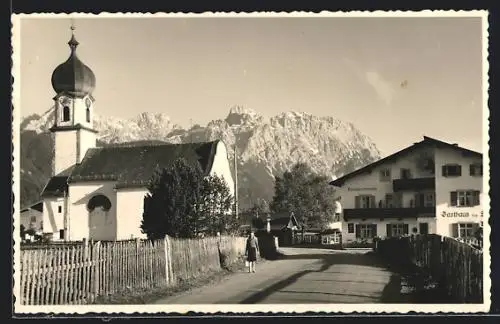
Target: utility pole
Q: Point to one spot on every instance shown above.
(236, 207)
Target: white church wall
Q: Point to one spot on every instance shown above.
(80, 194)
(66, 157)
(87, 140)
(130, 206)
(53, 216)
(221, 166)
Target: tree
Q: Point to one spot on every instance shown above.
(305, 194)
(183, 202)
(259, 212)
(215, 208)
(23, 231)
(170, 206)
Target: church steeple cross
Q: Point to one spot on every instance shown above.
(73, 43)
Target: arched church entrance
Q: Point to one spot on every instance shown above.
(101, 223)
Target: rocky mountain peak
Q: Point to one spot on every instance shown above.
(240, 116)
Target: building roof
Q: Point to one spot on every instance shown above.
(36, 206)
(133, 165)
(280, 221)
(57, 186)
(426, 142)
(73, 77)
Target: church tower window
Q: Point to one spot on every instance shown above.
(65, 113)
(88, 115)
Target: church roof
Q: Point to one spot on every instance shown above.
(58, 184)
(73, 76)
(133, 165)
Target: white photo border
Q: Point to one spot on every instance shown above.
(285, 309)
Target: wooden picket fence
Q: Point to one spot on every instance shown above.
(79, 274)
(456, 266)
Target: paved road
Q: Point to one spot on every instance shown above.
(303, 276)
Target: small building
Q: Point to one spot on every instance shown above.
(331, 237)
(32, 217)
(285, 227)
(429, 187)
(310, 237)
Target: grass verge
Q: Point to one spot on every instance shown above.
(147, 296)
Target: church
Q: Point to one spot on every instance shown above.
(97, 193)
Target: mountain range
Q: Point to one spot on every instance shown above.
(265, 146)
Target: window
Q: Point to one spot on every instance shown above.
(405, 174)
(452, 170)
(476, 169)
(429, 199)
(59, 209)
(389, 201)
(385, 175)
(61, 234)
(65, 113)
(423, 228)
(464, 198)
(88, 115)
(33, 219)
(463, 230)
(397, 229)
(365, 231)
(99, 201)
(350, 228)
(364, 201)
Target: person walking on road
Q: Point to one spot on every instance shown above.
(251, 251)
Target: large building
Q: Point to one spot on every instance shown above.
(98, 192)
(429, 187)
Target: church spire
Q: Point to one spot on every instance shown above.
(73, 43)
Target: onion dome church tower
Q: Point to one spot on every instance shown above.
(73, 82)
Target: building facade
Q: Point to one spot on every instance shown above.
(429, 187)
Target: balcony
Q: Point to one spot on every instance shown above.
(416, 184)
(374, 213)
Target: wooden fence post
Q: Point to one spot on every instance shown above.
(167, 259)
(96, 265)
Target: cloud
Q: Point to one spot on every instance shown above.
(384, 89)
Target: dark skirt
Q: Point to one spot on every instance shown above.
(252, 254)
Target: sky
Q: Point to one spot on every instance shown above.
(395, 79)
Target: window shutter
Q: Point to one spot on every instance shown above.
(443, 168)
(372, 201)
(358, 231)
(374, 230)
(357, 202)
(475, 226)
(454, 230)
(453, 198)
(388, 230)
(475, 198)
(459, 167)
(405, 229)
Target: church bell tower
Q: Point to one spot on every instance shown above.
(73, 129)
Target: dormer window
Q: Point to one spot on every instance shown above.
(385, 175)
(452, 170)
(476, 169)
(65, 113)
